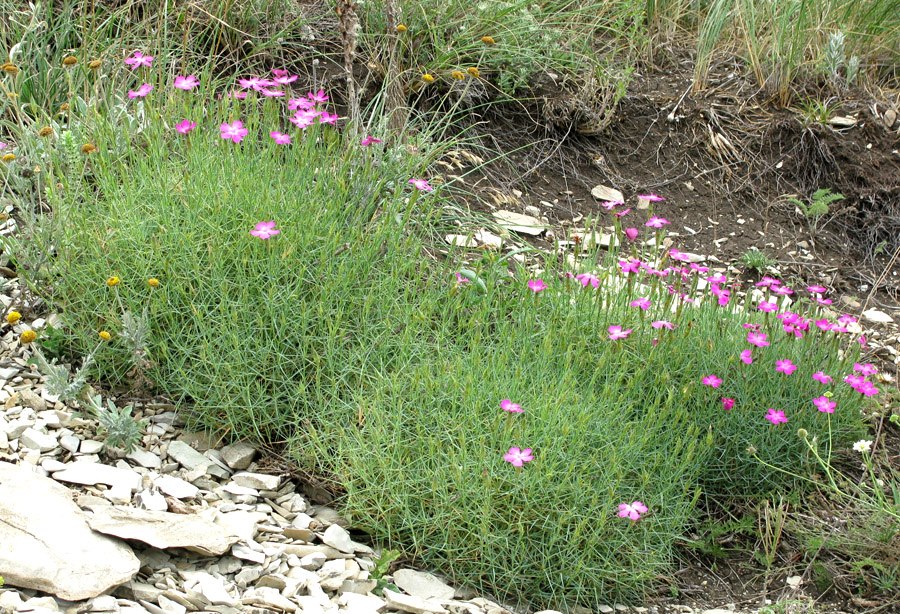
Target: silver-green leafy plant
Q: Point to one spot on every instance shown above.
(58, 379)
(834, 59)
(122, 430)
(135, 330)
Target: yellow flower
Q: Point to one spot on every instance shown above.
(427, 78)
(27, 337)
(45, 131)
(113, 281)
(401, 28)
(13, 316)
(64, 107)
(95, 64)
(152, 282)
(488, 40)
(70, 60)
(105, 335)
(88, 148)
(8, 157)
(473, 71)
(11, 68)
(458, 75)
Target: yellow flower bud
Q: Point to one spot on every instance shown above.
(45, 131)
(427, 78)
(458, 75)
(152, 282)
(13, 316)
(8, 157)
(488, 40)
(11, 68)
(64, 107)
(70, 60)
(94, 64)
(401, 28)
(27, 337)
(105, 335)
(113, 281)
(473, 71)
(88, 148)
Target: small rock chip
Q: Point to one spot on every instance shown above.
(604, 193)
(238, 455)
(337, 537)
(873, 315)
(36, 440)
(259, 481)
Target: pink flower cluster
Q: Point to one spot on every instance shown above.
(306, 107)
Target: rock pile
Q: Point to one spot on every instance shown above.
(173, 528)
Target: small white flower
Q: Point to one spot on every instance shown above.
(863, 445)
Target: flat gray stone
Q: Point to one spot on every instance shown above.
(48, 544)
(36, 440)
(187, 456)
(337, 537)
(163, 529)
(238, 455)
(89, 474)
(413, 605)
(176, 487)
(151, 500)
(145, 459)
(90, 446)
(259, 481)
(422, 584)
(70, 443)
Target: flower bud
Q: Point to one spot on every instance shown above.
(105, 335)
(27, 337)
(70, 60)
(113, 281)
(13, 316)
(802, 433)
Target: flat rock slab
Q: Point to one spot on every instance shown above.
(413, 605)
(259, 481)
(186, 455)
(602, 192)
(523, 224)
(48, 544)
(162, 529)
(423, 585)
(89, 474)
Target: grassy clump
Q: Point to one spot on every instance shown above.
(341, 336)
